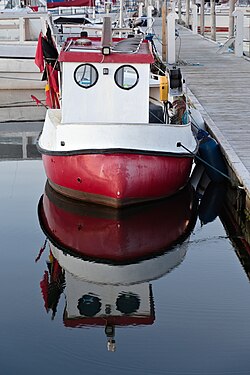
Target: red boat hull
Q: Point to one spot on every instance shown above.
(117, 179)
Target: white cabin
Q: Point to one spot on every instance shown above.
(106, 86)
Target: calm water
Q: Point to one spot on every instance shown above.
(184, 312)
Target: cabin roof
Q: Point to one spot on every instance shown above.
(130, 50)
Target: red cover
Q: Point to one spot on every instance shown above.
(70, 3)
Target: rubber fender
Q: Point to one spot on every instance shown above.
(210, 152)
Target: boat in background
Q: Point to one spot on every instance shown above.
(114, 141)
(104, 259)
(51, 4)
(19, 33)
(222, 12)
(65, 27)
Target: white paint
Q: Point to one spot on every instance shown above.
(148, 137)
(105, 101)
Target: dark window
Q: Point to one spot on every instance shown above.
(126, 77)
(86, 75)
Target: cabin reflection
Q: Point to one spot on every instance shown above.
(104, 259)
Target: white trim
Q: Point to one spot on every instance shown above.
(144, 137)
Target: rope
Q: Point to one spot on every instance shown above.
(179, 144)
(27, 103)
(21, 79)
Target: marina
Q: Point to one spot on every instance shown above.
(152, 282)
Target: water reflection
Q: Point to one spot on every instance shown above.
(18, 141)
(211, 202)
(235, 217)
(211, 195)
(103, 259)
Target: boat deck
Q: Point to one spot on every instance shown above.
(219, 87)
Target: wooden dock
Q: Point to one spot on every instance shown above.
(218, 84)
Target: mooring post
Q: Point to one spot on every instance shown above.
(187, 13)
(213, 19)
(195, 18)
(121, 17)
(157, 6)
(171, 17)
(239, 30)
(179, 12)
(202, 17)
(231, 18)
(150, 18)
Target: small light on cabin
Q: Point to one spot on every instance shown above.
(106, 51)
(105, 71)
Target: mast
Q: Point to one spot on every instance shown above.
(164, 36)
(121, 14)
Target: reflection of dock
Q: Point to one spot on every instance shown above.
(18, 141)
(236, 221)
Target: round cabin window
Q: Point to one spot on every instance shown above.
(126, 77)
(86, 75)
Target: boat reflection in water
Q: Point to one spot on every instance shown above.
(103, 259)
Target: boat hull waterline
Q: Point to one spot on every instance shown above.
(116, 164)
(117, 179)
